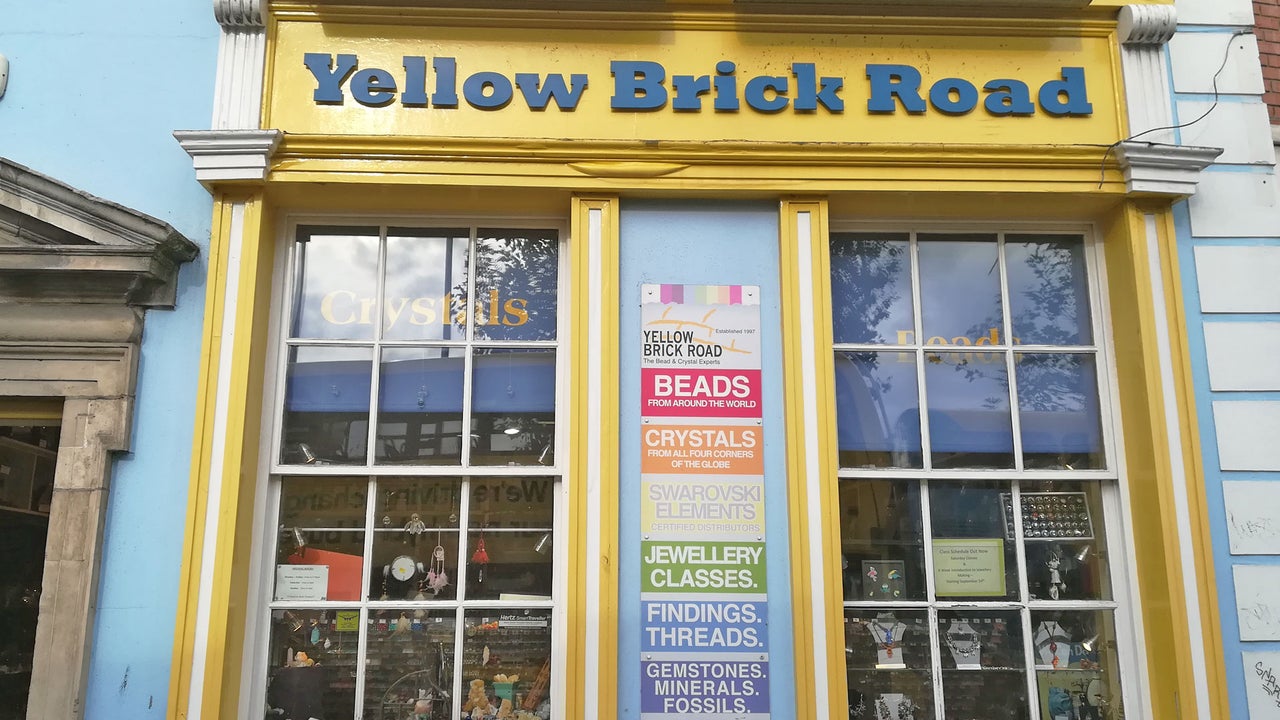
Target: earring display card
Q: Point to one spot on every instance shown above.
(883, 579)
(1050, 516)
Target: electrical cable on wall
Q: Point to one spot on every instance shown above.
(1216, 94)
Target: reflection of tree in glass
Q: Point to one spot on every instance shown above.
(1049, 308)
(867, 282)
(515, 285)
(1045, 314)
(867, 278)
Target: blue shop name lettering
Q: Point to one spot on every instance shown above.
(644, 86)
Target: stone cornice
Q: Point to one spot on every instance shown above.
(229, 155)
(61, 244)
(1157, 169)
(1147, 24)
(238, 13)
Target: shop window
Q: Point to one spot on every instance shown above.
(415, 478)
(977, 491)
(28, 458)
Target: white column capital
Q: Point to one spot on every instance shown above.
(1159, 169)
(220, 155)
(1147, 24)
(238, 13)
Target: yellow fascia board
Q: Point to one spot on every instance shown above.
(1193, 462)
(922, 18)
(780, 168)
(811, 641)
(605, 605)
(223, 650)
(1149, 478)
(975, 50)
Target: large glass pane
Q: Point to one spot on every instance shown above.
(511, 539)
(425, 292)
(960, 289)
(973, 558)
(336, 283)
(871, 288)
(889, 664)
(517, 282)
(1048, 289)
(882, 540)
(513, 395)
(877, 409)
(420, 406)
(1058, 411)
(409, 664)
(415, 539)
(312, 664)
(983, 665)
(506, 662)
(968, 400)
(1064, 531)
(326, 405)
(1077, 665)
(320, 548)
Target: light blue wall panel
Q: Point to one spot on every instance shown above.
(95, 91)
(703, 243)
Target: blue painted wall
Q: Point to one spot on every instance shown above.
(1223, 561)
(702, 243)
(95, 91)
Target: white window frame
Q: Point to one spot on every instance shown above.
(257, 630)
(1112, 480)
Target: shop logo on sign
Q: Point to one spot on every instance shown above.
(644, 86)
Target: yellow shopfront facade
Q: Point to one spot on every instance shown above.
(692, 360)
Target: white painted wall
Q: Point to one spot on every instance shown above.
(1238, 279)
(1214, 12)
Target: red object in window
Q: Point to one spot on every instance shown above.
(346, 575)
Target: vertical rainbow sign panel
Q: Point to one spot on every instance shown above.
(703, 591)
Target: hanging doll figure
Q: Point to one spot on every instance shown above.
(1056, 586)
(480, 558)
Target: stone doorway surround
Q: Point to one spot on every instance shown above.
(77, 274)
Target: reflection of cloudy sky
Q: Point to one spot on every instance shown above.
(336, 262)
(423, 267)
(959, 288)
(416, 268)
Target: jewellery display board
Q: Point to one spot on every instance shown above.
(883, 579)
(889, 666)
(1050, 516)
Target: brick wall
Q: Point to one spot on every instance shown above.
(1267, 19)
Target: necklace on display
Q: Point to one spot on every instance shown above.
(1053, 630)
(882, 709)
(886, 639)
(960, 646)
